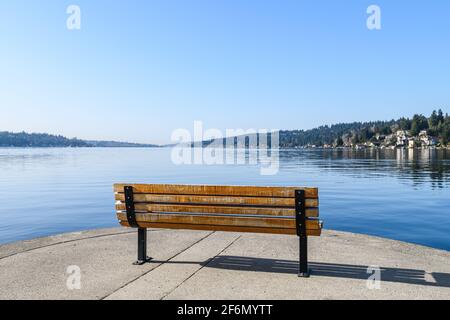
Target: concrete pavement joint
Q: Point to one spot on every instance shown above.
(205, 265)
(160, 264)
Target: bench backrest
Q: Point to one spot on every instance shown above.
(218, 208)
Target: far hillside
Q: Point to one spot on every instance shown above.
(45, 140)
(419, 131)
(435, 129)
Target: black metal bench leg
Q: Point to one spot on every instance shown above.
(303, 263)
(300, 220)
(142, 247)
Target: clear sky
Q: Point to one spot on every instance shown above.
(137, 70)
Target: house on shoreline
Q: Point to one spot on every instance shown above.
(401, 139)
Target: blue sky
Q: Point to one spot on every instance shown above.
(137, 70)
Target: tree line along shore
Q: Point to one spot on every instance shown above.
(417, 132)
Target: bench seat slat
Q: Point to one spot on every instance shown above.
(220, 220)
(215, 200)
(250, 191)
(267, 211)
(185, 226)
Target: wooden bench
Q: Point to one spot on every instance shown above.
(276, 210)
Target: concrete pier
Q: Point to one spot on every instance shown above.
(218, 265)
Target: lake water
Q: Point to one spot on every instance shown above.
(397, 194)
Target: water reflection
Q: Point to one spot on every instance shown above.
(408, 165)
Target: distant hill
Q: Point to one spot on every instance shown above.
(44, 140)
(347, 134)
(377, 133)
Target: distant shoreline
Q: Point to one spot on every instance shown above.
(246, 148)
(82, 147)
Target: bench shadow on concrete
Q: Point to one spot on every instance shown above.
(410, 276)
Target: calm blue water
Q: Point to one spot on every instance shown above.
(397, 194)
